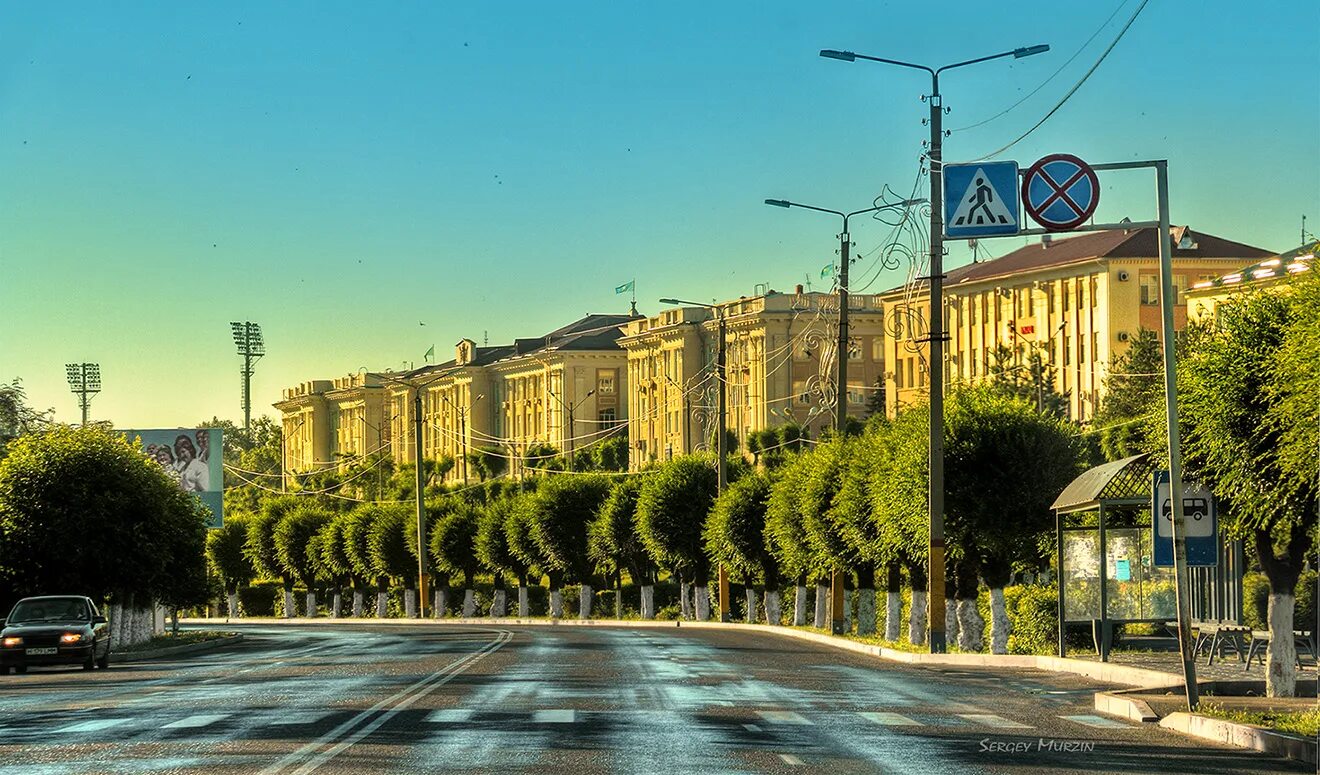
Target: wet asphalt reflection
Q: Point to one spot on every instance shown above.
(377, 699)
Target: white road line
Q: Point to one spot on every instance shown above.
(751, 728)
(200, 720)
(397, 702)
(991, 720)
(782, 717)
(450, 716)
(554, 716)
(792, 760)
(299, 717)
(891, 719)
(90, 726)
(1099, 722)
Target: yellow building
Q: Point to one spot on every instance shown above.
(1205, 296)
(333, 422)
(306, 427)
(1076, 302)
(781, 351)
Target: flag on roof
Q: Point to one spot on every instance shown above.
(626, 287)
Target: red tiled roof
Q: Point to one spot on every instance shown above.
(1137, 243)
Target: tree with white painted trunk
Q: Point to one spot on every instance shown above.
(333, 564)
(388, 554)
(1250, 411)
(224, 552)
(357, 549)
(261, 546)
(518, 533)
(671, 514)
(787, 536)
(614, 543)
(897, 489)
(736, 536)
(295, 549)
(564, 506)
(453, 545)
(825, 474)
(493, 548)
(852, 520)
(1005, 464)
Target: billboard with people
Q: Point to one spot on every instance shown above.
(192, 458)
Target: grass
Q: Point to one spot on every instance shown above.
(184, 637)
(1304, 723)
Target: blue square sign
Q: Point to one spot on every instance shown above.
(981, 200)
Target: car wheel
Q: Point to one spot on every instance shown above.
(20, 669)
(104, 661)
(4, 670)
(89, 663)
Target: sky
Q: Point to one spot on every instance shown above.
(368, 180)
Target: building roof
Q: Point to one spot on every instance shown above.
(1295, 261)
(1134, 243)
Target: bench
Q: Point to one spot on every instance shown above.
(1260, 641)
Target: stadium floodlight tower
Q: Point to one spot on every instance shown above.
(247, 336)
(85, 382)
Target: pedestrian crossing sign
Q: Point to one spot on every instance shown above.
(981, 200)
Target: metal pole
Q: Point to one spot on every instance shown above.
(1167, 302)
(935, 571)
(569, 440)
(247, 389)
(722, 445)
(840, 410)
(421, 503)
(82, 396)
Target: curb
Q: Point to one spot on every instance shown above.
(175, 651)
(1101, 671)
(1241, 735)
(1117, 703)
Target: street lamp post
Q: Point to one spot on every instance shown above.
(85, 382)
(462, 414)
(721, 440)
(572, 422)
(935, 569)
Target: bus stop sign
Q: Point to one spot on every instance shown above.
(1200, 516)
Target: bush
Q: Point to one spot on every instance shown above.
(1033, 613)
(1256, 601)
(259, 599)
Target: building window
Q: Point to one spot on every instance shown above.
(607, 417)
(1093, 288)
(1180, 289)
(1150, 289)
(800, 395)
(971, 311)
(1095, 345)
(898, 376)
(1065, 293)
(855, 348)
(911, 372)
(878, 349)
(856, 394)
(1067, 350)
(1031, 302)
(1081, 349)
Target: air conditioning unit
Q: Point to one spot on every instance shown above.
(1123, 276)
(1123, 336)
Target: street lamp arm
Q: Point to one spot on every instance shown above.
(849, 56)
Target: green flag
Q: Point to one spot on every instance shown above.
(827, 270)
(626, 287)
(429, 354)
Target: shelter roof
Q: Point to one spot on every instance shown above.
(1123, 480)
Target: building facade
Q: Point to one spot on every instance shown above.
(1204, 298)
(1073, 303)
(781, 352)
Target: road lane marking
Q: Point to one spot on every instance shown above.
(355, 729)
(554, 716)
(751, 728)
(90, 726)
(792, 760)
(991, 720)
(1099, 722)
(200, 720)
(449, 716)
(300, 717)
(891, 719)
(782, 717)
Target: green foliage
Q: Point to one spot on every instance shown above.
(1294, 391)
(252, 462)
(1134, 391)
(224, 551)
(81, 509)
(542, 457)
(518, 533)
(612, 539)
(875, 401)
(357, 540)
(783, 523)
(1033, 614)
(16, 417)
(849, 512)
(1027, 372)
(329, 561)
(492, 542)
(260, 547)
(671, 511)
(294, 547)
(453, 542)
(1256, 601)
(564, 506)
(488, 462)
(387, 543)
(897, 486)
(824, 476)
(735, 532)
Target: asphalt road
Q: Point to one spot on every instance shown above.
(302, 699)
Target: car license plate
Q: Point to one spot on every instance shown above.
(41, 651)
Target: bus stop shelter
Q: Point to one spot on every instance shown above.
(1104, 551)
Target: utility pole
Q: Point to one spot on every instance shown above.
(85, 382)
(421, 502)
(936, 337)
(247, 337)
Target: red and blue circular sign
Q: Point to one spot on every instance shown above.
(1060, 192)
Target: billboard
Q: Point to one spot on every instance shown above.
(192, 458)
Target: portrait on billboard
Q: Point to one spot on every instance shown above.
(191, 458)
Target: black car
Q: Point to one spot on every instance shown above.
(56, 630)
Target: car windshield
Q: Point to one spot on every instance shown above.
(55, 609)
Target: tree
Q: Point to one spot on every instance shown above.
(1005, 464)
(1237, 406)
(391, 557)
(614, 545)
(735, 535)
(82, 509)
(875, 402)
(224, 550)
(488, 462)
(518, 533)
(453, 544)
(252, 459)
(332, 563)
(1134, 392)
(1027, 372)
(564, 506)
(786, 534)
(294, 548)
(494, 552)
(16, 417)
(849, 516)
(357, 550)
(671, 513)
(261, 549)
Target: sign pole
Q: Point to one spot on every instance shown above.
(1175, 460)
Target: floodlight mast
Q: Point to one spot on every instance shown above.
(247, 337)
(85, 382)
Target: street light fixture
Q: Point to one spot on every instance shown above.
(572, 422)
(248, 340)
(935, 570)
